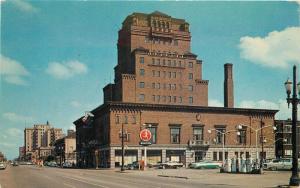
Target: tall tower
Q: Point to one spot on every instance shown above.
(228, 86)
(155, 63)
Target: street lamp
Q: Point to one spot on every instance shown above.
(122, 136)
(294, 100)
(256, 136)
(223, 142)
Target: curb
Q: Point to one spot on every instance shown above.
(166, 176)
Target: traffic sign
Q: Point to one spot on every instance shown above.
(145, 135)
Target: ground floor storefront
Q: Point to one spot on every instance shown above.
(111, 157)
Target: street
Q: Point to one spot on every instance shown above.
(33, 176)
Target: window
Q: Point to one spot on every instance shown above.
(153, 61)
(117, 119)
(126, 119)
(190, 87)
(190, 76)
(179, 63)
(169, 74)
(158, 73)
(141, 97)
(242, 137)
(220, 156)
(169, 63)
(180, 100)
(153, 131)
(170, 86)
(142, 60)
(158, 85)
(174, 74)
(190, 64)
(174, 63)
(198, 133)
(158, 98)
(164, 62)
(215, 155)
(158, 61)
(153, 73)
(169, 97)
(142, 72)
(153, 97)
(175, 86)
(191, 100)
(175, 135)
(174, 99)
(219, 135)
(134, 119)
(153, 85)
(142, 84)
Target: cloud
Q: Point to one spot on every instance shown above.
(66, 70)
(215, 103)
(17, 118)
(24, 6)
(277, 50)
(281, 105)
(12, 71)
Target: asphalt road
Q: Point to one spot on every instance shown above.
(35, 177)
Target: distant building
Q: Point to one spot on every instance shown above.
(159, 84)
(38, 140)
(283, 138)
(65, 148)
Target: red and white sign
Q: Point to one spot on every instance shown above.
(145, 135)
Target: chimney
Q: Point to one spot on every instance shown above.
(228, 86)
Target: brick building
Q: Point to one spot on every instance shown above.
(158, 83)
(283, 138)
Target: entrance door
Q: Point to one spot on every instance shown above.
(199, 155)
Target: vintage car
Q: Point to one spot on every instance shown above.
(170, 164)
(2, 165)
(278, 164)
(206, 165)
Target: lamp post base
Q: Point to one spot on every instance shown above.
(294, 181)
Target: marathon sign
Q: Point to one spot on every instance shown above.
(145, 136)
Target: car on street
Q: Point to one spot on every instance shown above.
(133, 165)
(15, 163)
(2, 165)
(206, 165)
(67, 165)
(278, 164)
(51, 164)
(171, 164)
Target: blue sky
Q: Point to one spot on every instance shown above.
(57, 56)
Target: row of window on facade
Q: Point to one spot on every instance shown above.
(164, 41)
(164, 62)
(160, 23)
(166, 86)
(165, 99)
(218, 156)
(164, 73)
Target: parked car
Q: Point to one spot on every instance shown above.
(15, 163)
(278, 164)
(171, 164)
(134, 165)
(67, 165)
(2, 165)
(206, 165)
(52, 164)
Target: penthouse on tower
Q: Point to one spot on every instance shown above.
(158, 84)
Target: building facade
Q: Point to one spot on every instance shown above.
(283, 138)
(158, 84)
(65, 148)
(38, 140)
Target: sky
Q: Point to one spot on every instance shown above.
(56, 56)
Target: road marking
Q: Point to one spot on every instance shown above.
(86, 182)
(67, 185)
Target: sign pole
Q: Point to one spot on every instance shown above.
(145, 158)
